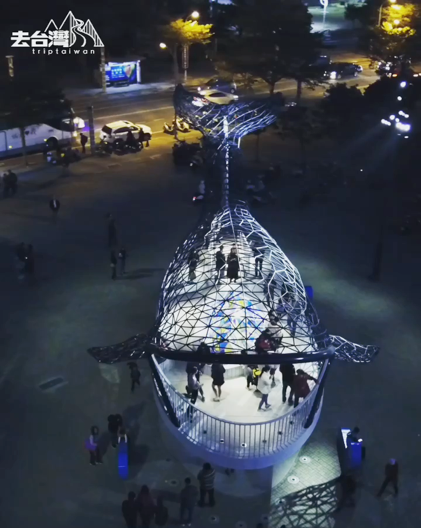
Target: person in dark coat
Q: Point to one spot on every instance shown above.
(83, 141)
(122, 254)
(112, 231)
(300, 385)
(193, 260)
(161, 513)
(113, 264)
(115, 422)
(258, 253)
(146, 506)
(391, 475)
(134, 375)
(129, 510)
(218, 380)
(13, 182)
(141, 138)
(233, 265)
(220, 262)
(288, 373)
(188, 500)
(348, 489)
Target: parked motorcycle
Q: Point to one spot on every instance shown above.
(178, 124)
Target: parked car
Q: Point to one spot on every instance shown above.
(340, 70)
(119, 129)
(218, 83)
(218, 97)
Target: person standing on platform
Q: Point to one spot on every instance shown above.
(193, 260)
(258, 254)
(220, 263)
(218, 380)
(288, 374)
(391, 475)
(83, 141)
(55, 207)
(265, 386)
(129, 510)
(122, 254)
(233, 265)
(300, 385)
(193, 385)
(134, 375)
(249, 376)
(188, 499)
(206, 478)
(146, 506)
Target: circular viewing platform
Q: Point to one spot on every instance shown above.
(232, 431)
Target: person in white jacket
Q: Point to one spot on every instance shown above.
(265, 386)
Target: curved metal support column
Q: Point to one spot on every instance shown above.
(319, 395)
(163, 393)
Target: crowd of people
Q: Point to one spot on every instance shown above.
(261, 379)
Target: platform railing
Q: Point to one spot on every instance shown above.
(234, 439)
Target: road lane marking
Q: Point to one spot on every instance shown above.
(159, 109)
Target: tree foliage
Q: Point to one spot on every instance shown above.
(273, 40)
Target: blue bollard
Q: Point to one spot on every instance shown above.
(309, 291)
(123, 460)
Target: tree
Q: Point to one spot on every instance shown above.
(184, 33)
(272, 42)
(25, 102)
(343, 110)
(398, 34)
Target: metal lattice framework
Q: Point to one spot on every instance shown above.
(222, 122)
(227, 300)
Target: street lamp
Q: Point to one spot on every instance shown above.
(396, 22)
(185, 57)
(381, 10)
(162, 45)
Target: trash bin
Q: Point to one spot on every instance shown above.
(350, 451)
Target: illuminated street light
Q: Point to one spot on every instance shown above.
(162, 45)
(196, 14)
(403, 84)
(399, 98)
(396, 22)
(397, 7)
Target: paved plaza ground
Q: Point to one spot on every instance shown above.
(47, 326)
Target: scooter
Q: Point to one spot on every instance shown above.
(178, 124)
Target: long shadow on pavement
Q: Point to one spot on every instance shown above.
(312, 507)
(138, 453)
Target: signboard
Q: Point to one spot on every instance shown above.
(122, 72)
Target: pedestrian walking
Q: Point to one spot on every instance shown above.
(83, 141)
(197, 370)
(93, 448)
(391, 475)
(115, 422)
(265, 386)
(217, 375)
(206, 478)
(122, 254)
(188, 499)
(113, 264)
(161, 513)
(288, 374)
(129, 510)
(112, 231)
(233, 265)
(55, 207)
(220, 263)
(193, 385)
(348, 489)
(146, 506)
(300, 385)
(248, 370)
(134, 375)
